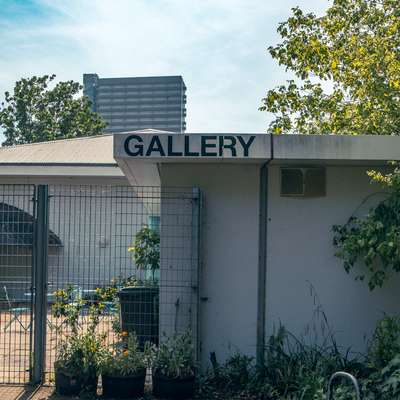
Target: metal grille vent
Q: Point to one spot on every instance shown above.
(303, 182)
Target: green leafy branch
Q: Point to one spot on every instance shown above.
(373, 241)
(353, 46)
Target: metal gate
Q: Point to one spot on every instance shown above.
(91, 232)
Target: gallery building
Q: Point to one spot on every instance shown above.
(245, 224)
(269, 204)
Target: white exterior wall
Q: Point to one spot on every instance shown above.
(229, 252)
(300, 253)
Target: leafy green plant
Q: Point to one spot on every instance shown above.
(390, 379)
(374, 240)
(146, 250)
(382, 374)
(385, 343)
(70, 305)
(124, 358)
(174, 357)
(81, 344)
(383, 384)
(230, 378)
(79, 355)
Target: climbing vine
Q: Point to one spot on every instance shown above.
(374, 240)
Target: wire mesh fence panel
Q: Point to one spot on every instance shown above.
(128, 255)
(17, 222)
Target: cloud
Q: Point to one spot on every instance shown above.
(219, 47)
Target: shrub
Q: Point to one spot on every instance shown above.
(385, 343)
(81, 343)
(124, 357)
(79, 355)
(174, 357)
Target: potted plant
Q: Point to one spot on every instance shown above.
(76, 365)
(123, 368)
(139, 298)
(174, 368)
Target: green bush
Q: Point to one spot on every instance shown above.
(385, 342)
(124, 358)
(174, 357)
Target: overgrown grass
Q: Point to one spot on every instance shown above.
(296, 370)
(292, 370)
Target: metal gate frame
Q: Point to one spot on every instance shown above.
(180, 200)
(40, 268)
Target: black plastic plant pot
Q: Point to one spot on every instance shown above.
(123, 387)
(173, 388)
(68, 385)
(139, 312)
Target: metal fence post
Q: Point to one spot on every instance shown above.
(196, 254)
(40, 282)
(262, 264)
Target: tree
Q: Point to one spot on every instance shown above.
(37, 113)
(355, 49)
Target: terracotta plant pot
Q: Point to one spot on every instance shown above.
(123, 387)
(69, 385)
(173, 388)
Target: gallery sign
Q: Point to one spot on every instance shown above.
(181, 146)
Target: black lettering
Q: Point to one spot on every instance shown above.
(223, 145)
(155, 145)
(171, 152)
(139, 147)
(205, 146)
(245, 145)
(189, 153)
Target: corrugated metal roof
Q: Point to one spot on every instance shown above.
(93, 150)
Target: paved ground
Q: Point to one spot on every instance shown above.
(40, 393)
(15, 348)
(15, 351)
(27, 393)
(30, 393)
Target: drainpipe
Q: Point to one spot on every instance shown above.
(262, 259)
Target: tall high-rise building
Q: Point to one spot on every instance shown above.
(127, 104)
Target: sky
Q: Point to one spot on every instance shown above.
(218, 46)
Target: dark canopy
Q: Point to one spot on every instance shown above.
(16, 227)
